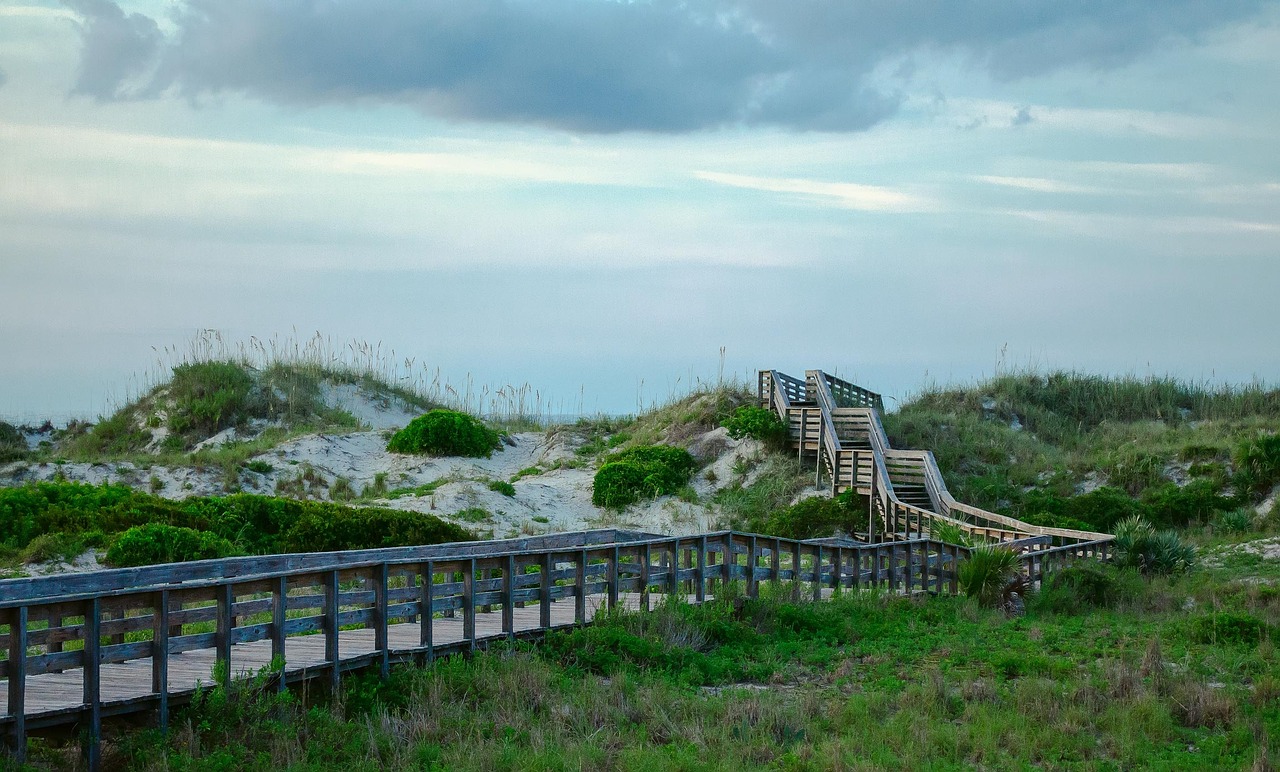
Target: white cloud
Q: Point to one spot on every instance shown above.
(1041, 185)
(844, 195)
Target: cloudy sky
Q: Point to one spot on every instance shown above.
(595, 196)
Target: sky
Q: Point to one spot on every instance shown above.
(598, 197)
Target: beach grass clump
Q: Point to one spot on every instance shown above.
(990, 575)
(444, 432)
(758, 423)
(644, 471)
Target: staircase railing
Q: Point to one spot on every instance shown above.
(901, 519)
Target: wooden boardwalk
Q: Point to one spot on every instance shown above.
(76, 649)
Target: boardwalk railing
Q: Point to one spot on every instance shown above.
(838, 425)
(120, 642)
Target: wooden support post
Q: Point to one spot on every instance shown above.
(160, 658)
(857, 568)
(646, 556)
(729, 559)
(700, 576)
(837, 571)
(222, 638)
(892, 567)
(796, 576)
(279, 613)
(776, 562)
(332, 607)
(580, 590)
(411, 581)
(508, 596)
(673, 569)
(469, 604)
(18, 683)
(546, 585)
(612, 578)
(817, 467)
(817, 573)
(426, 610)
(381, 644)
(92, 698)
(753, 559)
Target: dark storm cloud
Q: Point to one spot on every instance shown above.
(608, 65)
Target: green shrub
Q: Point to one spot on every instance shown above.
(1258, 465)
(1138, 545)
(757, 423)
(990, 575)
(1230, 627)
(645, 471)
(1100, 509)
(951, 533)
(13, 446)
(328, 527)
(153, 543)
(503, 487)
(815, 517)
(60, 546)
(1077, 588)
(1169, 506)
(445, 433)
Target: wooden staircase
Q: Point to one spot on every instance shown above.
(836, 426)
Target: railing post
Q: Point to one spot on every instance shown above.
(509, 596)
(546, 584)
(753, 558)
(426, 610)
(776, 562)
(673, 569)
(18, 683)
(332, 654)
(612, 578)
(380, 637)
(580, 590)
(160, 658)
(817, 573)
(222, 638)
(729, 560)
(646, 555)
(700, 592)
(279, 614)
(92, 698)
(796, 576)
(469, 604)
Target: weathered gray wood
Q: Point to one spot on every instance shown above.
(332, 625)
(160, 658)
(18, 683)
(508, 596)
(279, 608)
(223, 636)
(469, 603)
(380, 641)
(92, 695)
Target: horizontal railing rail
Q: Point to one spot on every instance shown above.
(158, 642)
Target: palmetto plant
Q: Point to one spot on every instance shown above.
(992, 575)
(1140, 546)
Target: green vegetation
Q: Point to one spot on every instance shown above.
(864, 681)
(757, 423)
(991, 575)
(13, 447)
(144, 545)
(77, 515)
(1138, 545)
(445, 433)
(643, 471)
(503, 487)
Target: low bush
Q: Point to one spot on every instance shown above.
(1235, 521)
(13, 446)
(1258, 465)
(1139, 545)
(1099, 509)
(252, 524)
(325, 528)
(645, 471)
(209, 397)
(1170, 506)
(1230, 628)
(445, 433)
(815, 517)
(1077, 588)
(758, 423)
(153, 543)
